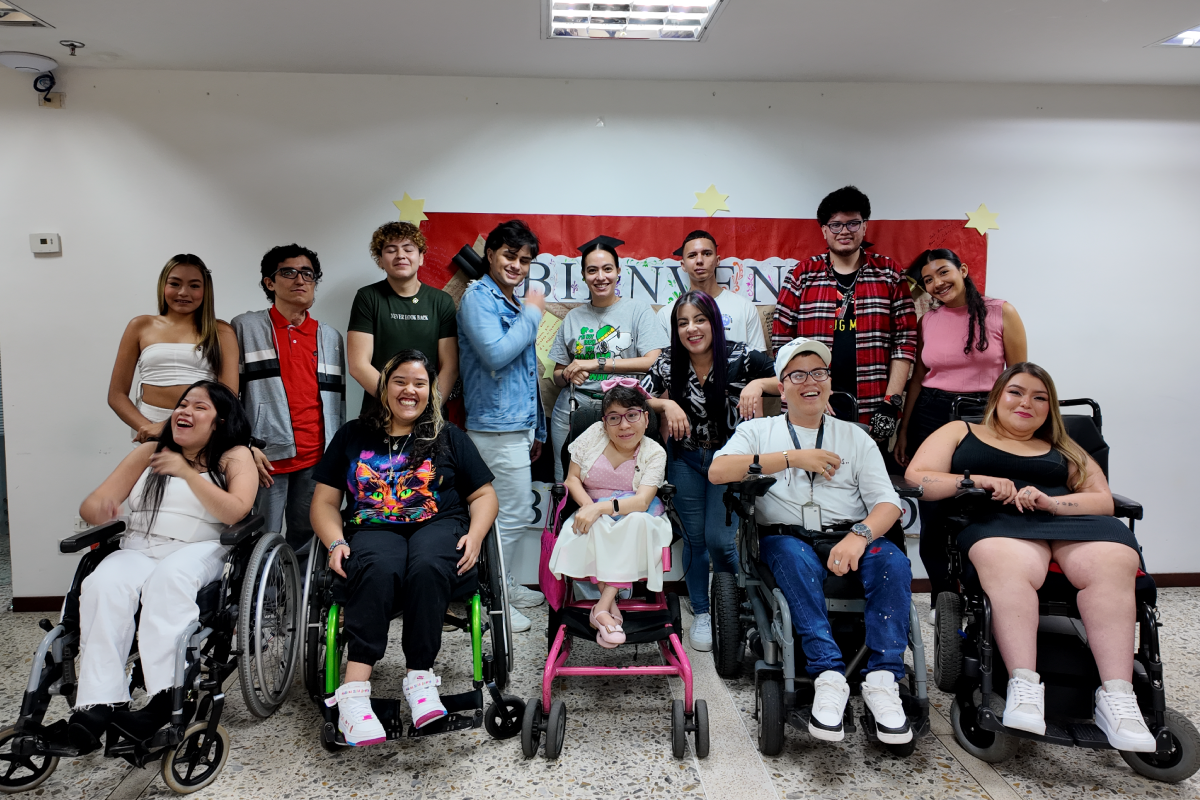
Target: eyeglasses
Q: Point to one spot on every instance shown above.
(800, 376)
(290, 273)
(852, 226)
(633, 416)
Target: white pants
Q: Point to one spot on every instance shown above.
(624, 551)
(507, 456)
(166, 588)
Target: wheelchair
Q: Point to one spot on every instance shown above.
(748, 609)
(649, 618)
(487, 613)
(248, 624)
(968, 664)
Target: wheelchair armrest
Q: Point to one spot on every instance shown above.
(974, 493)
(93, 535)
(906, 488)
(666, 492)
(752, 485)
(1125, 508)
(239, 532)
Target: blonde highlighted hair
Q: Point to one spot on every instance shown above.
(204, 317)
(429, 426)
(1053, 430)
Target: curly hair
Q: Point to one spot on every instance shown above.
(277, 255)
(395, 231)
(847, 200)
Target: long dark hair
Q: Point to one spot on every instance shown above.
(428, 427)
(976, 308)
(714, 387)
(232, 429)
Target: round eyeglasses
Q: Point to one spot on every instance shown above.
(800, 376)
(633, 416)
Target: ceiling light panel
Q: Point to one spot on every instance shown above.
(679, 22)
(13, 16)
(1189, 38)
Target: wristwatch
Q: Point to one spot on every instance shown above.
(601, 359)
(862, 530)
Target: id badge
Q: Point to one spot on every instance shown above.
(810, 516)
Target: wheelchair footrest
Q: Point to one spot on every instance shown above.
(465, 711)
(49, 741)
(1071, 734)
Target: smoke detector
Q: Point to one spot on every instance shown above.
(27, 62)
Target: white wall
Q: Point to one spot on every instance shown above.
(1096, 189)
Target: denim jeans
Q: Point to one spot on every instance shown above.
(703, 516)
(507, 456)
(289, 500)
(887, 579)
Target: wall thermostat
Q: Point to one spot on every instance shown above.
(44, 243)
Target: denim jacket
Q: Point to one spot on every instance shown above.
(497, 359)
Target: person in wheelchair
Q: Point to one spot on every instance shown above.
(618, 534)
(829, 510)
(1053, 504)
(178, 493)
(419, 502)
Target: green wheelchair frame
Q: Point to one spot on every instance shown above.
(487, 612)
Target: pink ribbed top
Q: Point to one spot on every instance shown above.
(944, 334)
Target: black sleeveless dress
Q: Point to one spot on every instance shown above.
(1047, 472)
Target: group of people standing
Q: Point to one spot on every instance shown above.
(844, 327)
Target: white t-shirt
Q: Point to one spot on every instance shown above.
(860, 483)
(739, 317)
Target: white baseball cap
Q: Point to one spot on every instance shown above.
(797, 347)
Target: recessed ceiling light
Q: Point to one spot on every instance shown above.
(14, 16)
(1189, 38)
(679, 22)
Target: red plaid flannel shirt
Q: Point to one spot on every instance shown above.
(883, 309)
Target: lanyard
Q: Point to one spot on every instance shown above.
(812, 476)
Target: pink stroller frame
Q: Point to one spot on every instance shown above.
(655, 620)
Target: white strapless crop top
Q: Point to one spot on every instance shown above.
(173, 364)
(181, 516)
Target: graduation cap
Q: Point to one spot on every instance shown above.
(601, 239)
(690, 237)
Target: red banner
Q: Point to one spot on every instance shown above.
(758, 253)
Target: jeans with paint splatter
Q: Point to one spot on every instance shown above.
(887, 579)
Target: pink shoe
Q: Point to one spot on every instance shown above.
(607, 636)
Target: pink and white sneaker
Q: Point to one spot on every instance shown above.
(356, 718)
(420, 690)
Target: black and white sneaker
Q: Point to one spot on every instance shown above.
(829, 705)
(882, 696)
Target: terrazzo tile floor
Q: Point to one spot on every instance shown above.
(617, 740)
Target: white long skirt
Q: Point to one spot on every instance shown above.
(624, 551)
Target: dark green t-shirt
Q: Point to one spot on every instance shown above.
(396, 322)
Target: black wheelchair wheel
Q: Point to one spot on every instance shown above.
(495, 597)
(947, 642)
(269, 632)
(985, 745)
(531, 728)
(500, 727)
(1183, 759)
(21, 773)
(556, 729)
(700, 718)
(770, 717)
(198, 759)
(727, 627)
(678, 729)
(308, 615)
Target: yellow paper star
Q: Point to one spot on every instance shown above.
(411, 210)
(711, 201)
(981, 219)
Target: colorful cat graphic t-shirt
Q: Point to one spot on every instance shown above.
(626, 329)
(386, 489)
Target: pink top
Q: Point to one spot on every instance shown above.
(943, 337)
(603, 481)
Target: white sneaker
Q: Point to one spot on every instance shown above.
(829, 705)
(881, 693)
(521, 597)
(420, 690)
(519, 622)
(933, 617)
(700, 634)
(356, 718)
(1118, 715)
(1025, 708)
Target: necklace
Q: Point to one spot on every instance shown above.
(392, 450)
